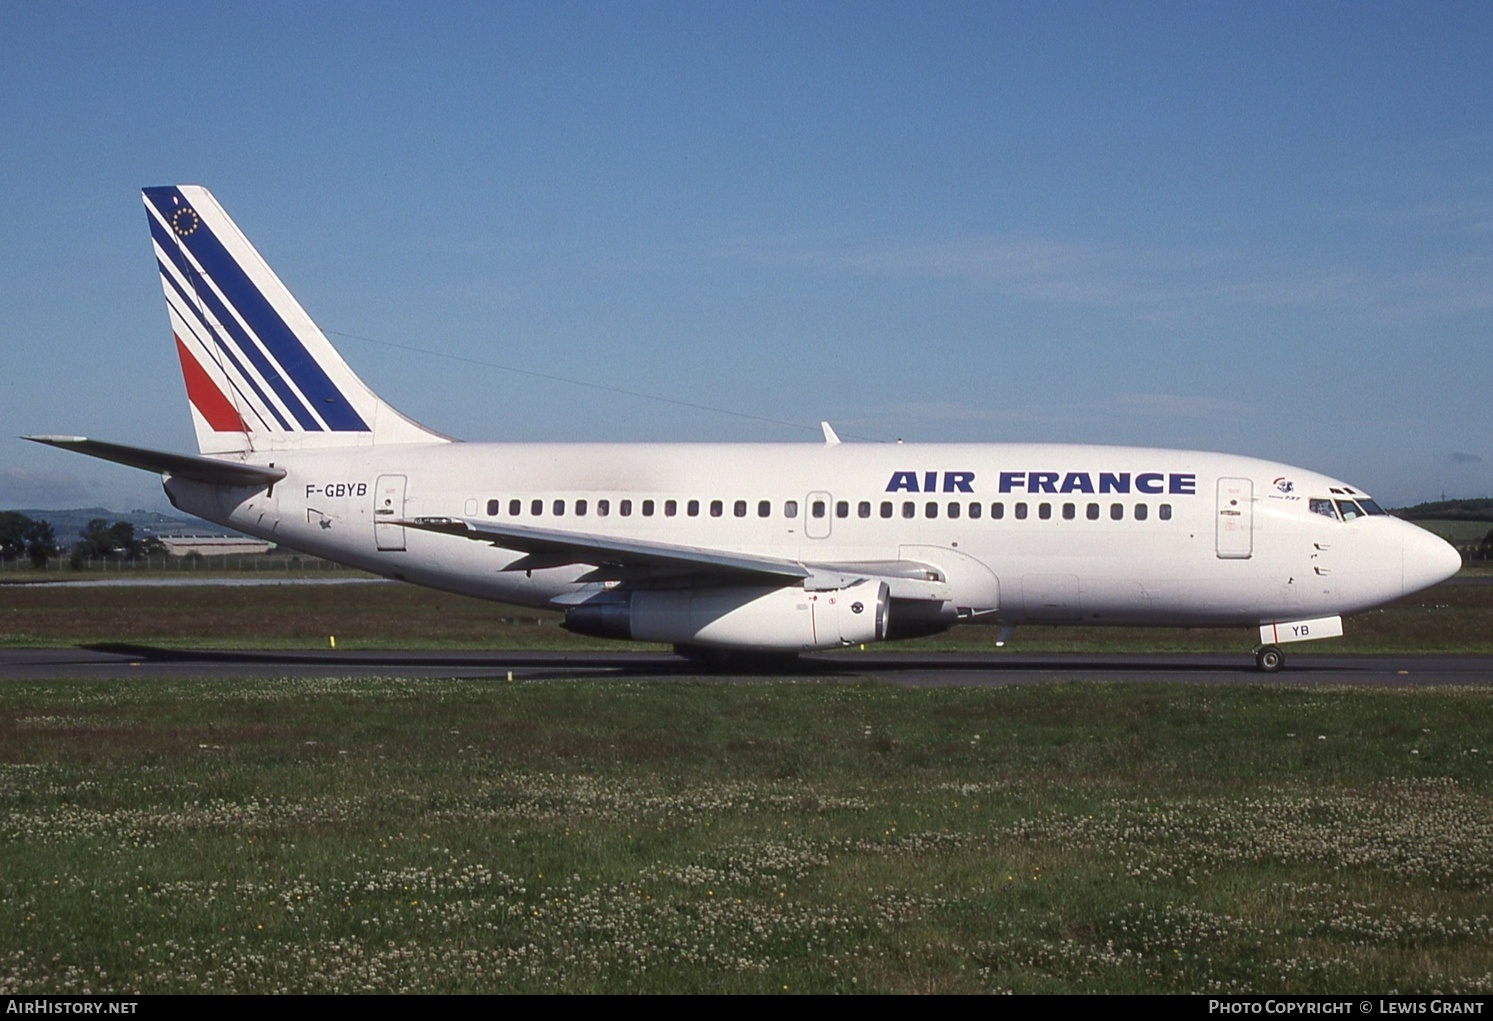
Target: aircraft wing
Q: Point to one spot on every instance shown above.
(619, 559)
(550, 547)
(183, 466)
(633, 559)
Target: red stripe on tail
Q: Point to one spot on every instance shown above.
(206, 397)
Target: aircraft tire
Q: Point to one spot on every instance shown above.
(1270, 659)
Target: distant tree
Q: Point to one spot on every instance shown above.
(1485, 548)
(21, 536)
(1480, 509)
(13, 528)
(41, 543)
(100, 540)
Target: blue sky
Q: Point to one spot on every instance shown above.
(1265, 228)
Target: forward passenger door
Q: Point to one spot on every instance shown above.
(1234, 535)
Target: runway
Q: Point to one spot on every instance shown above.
(116, 662)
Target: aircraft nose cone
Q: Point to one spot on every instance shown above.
(1427, 560)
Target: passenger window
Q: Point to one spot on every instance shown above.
(909, 509)
(515, 508)
(1141, 510)
(842, 509)
(863, 509)
(974, 509)
(997, 510)
(716, 508)
(790, 508)
(1165, 513)
(1044, 511)
(818, 508)
(886, 508)
(1117, 512)
(953, 509)
(558, 508)
(764, 508)
(625, 508)
(580, 508)
(739, 508)
(1069, 512)
(536, 507)
(647, 508)
(671, 508)
(603, 507)
(1092, 512)
(930, 509)
(492, 508)
(692, 508)
(1020, 511)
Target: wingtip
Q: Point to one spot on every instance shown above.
(55, 441)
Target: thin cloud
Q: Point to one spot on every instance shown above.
(1461, 287)
(1126, 405)
(1149, 283)
(1055, 271)
(1190, 406)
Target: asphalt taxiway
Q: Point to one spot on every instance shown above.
(102, 662)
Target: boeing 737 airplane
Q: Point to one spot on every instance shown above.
(758, 548)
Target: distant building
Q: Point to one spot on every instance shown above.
(183, 545)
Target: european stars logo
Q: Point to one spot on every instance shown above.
(184, 221)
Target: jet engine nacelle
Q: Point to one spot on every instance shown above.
(740, 617)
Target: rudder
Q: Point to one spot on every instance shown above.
(259, 373)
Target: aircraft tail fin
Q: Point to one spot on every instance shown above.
(260, 374)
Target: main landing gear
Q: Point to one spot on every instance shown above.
(1269, 659)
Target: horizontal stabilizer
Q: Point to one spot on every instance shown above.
(183, 466)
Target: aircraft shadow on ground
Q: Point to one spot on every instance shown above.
(640, 664)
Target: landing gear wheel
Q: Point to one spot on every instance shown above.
(1270, 659)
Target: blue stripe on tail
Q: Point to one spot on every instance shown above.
(188, 304)
(261, 316)
(206, 297)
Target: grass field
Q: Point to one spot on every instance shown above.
(366, 834)
(376, 835)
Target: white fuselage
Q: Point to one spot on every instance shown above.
(1023, 533)
(740, 547)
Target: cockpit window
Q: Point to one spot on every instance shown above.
(1323, 507)
(1349, 510)
(1370, 507)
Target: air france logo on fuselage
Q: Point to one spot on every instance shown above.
(953, 482)
(1150, 483)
